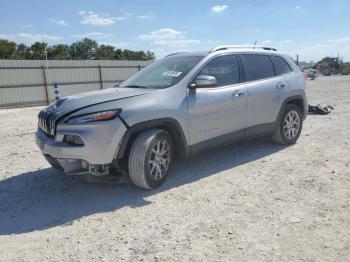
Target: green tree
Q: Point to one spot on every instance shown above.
(22, 52)
(139, 55)
(134, 55)
(150, 56)
(7, 49)
(105, 52)
(118, 54)
(84, 49)
(37, 50)
(127, 54)
(58, 52)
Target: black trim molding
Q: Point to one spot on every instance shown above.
(176, 131)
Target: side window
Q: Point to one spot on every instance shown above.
(224, 68)
(258, 67)
(281, 66)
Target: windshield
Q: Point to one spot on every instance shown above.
(163, 73)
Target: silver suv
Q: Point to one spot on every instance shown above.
(175, 107)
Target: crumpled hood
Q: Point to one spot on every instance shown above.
(75, 102)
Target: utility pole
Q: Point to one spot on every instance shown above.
(47, 64)
(46, 77)
(297, 60)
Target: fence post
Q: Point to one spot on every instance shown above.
(56, 91)
(100, 73)
(46, 86)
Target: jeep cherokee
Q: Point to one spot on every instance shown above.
(175, 107)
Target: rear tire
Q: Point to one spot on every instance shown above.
(150, 157)
(289, 126)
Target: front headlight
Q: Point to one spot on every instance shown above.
(97, 116)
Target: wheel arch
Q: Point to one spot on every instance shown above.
(297, 100)
(171, 125)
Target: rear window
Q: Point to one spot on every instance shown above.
(258, 67)
(281, 66)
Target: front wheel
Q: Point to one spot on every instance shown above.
(150, 157)
(289, 127)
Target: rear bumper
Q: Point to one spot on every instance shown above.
(101, 143)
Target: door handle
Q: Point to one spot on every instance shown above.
(238, 93)
(281, 85)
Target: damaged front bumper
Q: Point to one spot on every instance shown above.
(95, 156)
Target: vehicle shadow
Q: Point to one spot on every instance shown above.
(46, 198)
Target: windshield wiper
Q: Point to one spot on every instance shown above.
(135, 86)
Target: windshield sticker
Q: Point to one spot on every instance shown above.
(172, 73)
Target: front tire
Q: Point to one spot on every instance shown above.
(150, 157)
(289, 126)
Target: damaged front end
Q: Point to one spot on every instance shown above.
(89, 172)
(77, 166)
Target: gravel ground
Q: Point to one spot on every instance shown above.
(254, 201)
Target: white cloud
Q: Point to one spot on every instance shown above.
(177, 42)
(28, 26)
(91, 18)
(317, 50)
(265, 42)
(168, 37)
(161, 34)
(92, 35)
(59, 22)
(159, 52)
(213, 42)
(285, 42)
(340, 40)
(146, 16)
(29, 38)
(219, 8)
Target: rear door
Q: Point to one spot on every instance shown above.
(283, 70)
(265, 89)
(220, 110)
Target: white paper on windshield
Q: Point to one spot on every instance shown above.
(172, 73)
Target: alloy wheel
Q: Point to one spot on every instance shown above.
(291, 125)
(159, 160)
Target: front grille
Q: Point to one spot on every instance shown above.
(47, 121)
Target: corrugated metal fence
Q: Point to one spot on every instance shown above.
(29, 82)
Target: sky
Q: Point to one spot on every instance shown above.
(311, 28)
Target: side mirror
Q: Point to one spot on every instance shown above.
(203, 81)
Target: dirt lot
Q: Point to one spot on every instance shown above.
(255, 201)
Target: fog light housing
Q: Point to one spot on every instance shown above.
(84, 164)
(73, 139)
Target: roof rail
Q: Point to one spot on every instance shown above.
(174, 54)
(226, 47)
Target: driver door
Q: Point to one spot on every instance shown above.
(220, 111)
